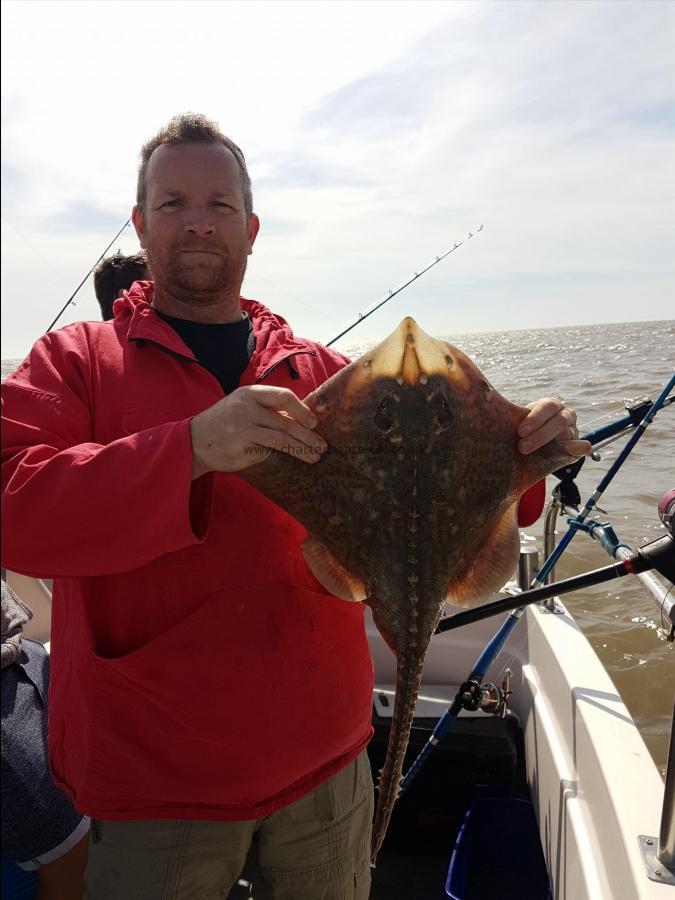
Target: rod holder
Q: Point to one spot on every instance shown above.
(528, 566)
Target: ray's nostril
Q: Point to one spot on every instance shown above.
(383, 421)
(444, 415)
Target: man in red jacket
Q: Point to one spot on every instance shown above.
(207, 695)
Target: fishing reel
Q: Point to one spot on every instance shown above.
(487, 697)
(566, 491)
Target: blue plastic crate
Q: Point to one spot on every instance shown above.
(498, 854)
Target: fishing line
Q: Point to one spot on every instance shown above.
(275, 287)
(516, 650)
(75, 292)
(392, 293)
(614, 414)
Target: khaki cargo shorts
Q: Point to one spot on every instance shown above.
(318, 848)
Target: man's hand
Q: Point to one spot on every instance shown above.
(234, 432)
(548, 419)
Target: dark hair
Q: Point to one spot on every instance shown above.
(192, 128)
(116, 273)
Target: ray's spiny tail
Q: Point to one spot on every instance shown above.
(408, 678)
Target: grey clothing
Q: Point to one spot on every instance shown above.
(14, 616)
(39, 823)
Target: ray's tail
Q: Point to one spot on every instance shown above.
(408, 677)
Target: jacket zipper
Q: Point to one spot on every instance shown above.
(285, 359)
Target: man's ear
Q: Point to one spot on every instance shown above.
(253, 229)
(137, 220)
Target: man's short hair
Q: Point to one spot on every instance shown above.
(116, 273)
(192, 128)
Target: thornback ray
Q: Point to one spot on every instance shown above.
(412, 504)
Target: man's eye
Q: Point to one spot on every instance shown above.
(223, 204)
(172, 203)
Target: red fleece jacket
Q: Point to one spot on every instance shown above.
(198, 668)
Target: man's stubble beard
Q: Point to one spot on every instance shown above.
(203, 282)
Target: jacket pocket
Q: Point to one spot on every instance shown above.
(222, 709)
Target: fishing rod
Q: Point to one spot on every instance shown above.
(390, 294)
(658, 554)
(576, 522)
(75, 292)
(614, 430)
(361, 316)
(661, 556)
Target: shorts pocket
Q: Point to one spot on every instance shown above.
(339, 796)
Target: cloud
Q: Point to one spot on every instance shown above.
(660, 117)
(15, 186)
(551, 123)
(303, 170)
(83, 215)
(15, 176)
(275, 226)
(515, 66)
(373, 106)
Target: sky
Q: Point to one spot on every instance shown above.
(377, 135)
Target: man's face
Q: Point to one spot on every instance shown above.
(193, 225)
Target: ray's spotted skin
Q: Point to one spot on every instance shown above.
(413, 504)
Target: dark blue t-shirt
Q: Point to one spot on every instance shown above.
(223, 349)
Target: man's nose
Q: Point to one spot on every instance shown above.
(200, 224)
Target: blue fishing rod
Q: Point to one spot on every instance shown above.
(658, 554)
(390, 294)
